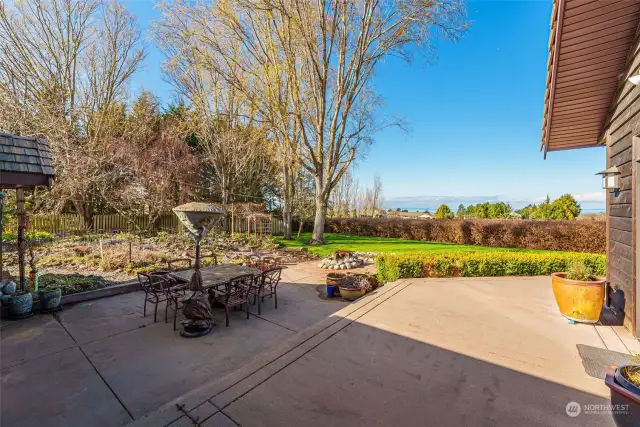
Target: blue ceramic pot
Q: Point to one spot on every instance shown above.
(50, 299)
(20, 305)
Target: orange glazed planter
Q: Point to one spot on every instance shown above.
(577, 300)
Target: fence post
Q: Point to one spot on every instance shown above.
(232, 222)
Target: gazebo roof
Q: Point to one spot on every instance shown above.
(24, 161)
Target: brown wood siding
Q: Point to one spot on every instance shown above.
(622, 125)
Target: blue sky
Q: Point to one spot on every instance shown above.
(474, 113)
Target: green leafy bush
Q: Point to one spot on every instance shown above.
(478, 264)
(574, 236)
(40, 236)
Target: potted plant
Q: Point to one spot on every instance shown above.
(333, 280)
(352, 287)
(624, 385)
(579, 293)
(20, 304)
(50, 296)
(369, 281)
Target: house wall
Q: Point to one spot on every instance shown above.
(622, 126)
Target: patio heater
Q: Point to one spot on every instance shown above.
(198, 218)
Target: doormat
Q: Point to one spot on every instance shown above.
(596, 360)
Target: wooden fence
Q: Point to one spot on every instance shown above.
(72, 224)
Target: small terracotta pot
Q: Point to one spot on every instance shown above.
(580, 301)
(334, 278)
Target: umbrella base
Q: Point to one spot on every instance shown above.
(195, 332)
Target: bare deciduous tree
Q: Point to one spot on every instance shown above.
(326, 53)
(64, 66)
(237, 147)
(341, 197)
(376, 194)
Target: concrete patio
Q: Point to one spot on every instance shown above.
(488, 351)
(100, 363)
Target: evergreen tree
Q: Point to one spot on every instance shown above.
(444, 212)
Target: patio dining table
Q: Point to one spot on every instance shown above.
(217, 275)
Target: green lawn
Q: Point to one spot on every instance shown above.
(383, 244)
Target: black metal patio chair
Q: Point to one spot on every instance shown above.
(236, 293)
(267, 287)
(159, 288)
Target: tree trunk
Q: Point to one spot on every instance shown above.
(287, 203)
(321, 215)
(287, 219)
(85, 210)
(300, 227)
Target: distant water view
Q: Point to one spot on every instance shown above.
(591, 211)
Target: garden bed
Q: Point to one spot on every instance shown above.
(107, 260)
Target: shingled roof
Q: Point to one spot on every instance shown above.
(24, 161)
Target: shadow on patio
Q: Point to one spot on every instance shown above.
(444, 352)
(365, 376)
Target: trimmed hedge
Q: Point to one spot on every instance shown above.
(574, 236)
(482, 264)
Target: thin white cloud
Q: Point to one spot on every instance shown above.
(540, 199)
(595, 197)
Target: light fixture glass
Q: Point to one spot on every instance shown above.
(610, 178)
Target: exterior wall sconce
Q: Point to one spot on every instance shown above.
(611, 179)
(635, 79)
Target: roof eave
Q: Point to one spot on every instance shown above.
(557, 16)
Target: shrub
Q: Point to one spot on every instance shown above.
(575, 236)
(581, 272)
(37, 236)
(483, 264)
(72, 283)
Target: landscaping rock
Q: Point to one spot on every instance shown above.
(346, 262)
